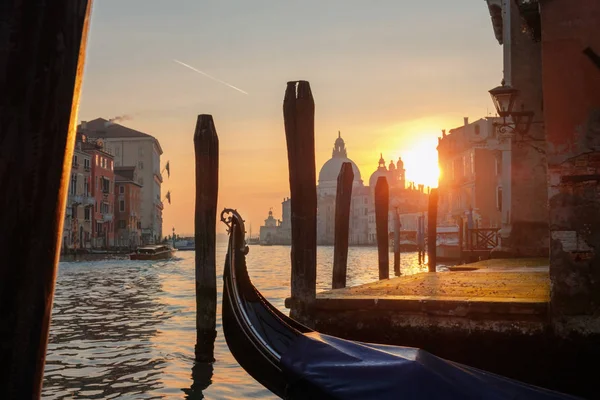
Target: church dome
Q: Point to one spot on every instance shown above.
(331, 169)
(381, 171)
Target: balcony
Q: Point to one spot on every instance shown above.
(83, 200)
(107, 217)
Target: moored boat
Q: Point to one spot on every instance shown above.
(153, 252)
(295, 362)
(185, 244)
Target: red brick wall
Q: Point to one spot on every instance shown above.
(572, 114)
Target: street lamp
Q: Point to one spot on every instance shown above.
(504, 98)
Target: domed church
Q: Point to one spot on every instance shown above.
(362, 208)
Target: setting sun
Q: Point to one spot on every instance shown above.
(421, 163)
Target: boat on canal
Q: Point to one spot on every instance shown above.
(295, 362)
(153, 252)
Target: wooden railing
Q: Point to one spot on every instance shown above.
(482, 238)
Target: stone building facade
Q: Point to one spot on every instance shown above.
(471, 158)
(133, 148)
(77, 230)
(128, 205)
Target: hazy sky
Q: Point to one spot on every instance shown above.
(390, 74)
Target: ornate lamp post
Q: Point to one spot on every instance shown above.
(514, 126)
(513, 122)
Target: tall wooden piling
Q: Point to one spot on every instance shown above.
(396, 243)
(299, 119)
(432, 229)
(382, 207)
(461, 235)
(42, 55)
(206, 148)
(342, 225)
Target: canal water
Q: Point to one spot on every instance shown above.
(126, 329)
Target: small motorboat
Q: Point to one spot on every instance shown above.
(185, 244)
(295, 362)
(153, 252)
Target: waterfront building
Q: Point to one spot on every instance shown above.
(473, 160)
(141, 150)
(128, 204)
(78, 216)
(408, 200)
(276, 231)
(102, 190)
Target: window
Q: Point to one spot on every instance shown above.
(86, 187)
(73, 186)
(473, 161)
(105, 185)
(96, 206)
(98, 227)
(87, 215)
(140, 151)
(477, 129)
(141, 165)
(86, 163)
(96, 160)
(122, 224)
(499, 198)
(117, 151)
(75, 163)
(121, 205)
(121, 189)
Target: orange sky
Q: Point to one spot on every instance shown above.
(390, 77)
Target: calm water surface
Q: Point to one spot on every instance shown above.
(126, 329)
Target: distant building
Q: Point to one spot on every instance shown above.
(471, 158)
(78, 216)
(409, 200)
(276, 231)
(102, 189)
(137, 149)
(128, 204)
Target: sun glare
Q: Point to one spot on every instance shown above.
(421, 163)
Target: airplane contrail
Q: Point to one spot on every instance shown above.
(209, 76)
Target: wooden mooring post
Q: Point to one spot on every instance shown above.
(299, 121)
(461, 235)
(432, 229)
(382, 207)
(42, 54)
(396, 242)
(206, 148)
(342, 226)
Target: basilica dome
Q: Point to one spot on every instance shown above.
(331, 169)
(381, 171)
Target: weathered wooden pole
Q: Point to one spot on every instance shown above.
(206, 147)
(342, 225)
(382, 208)
(432, 229)
(299, 118)
(42, 54)
(396, 243)
(461, 234)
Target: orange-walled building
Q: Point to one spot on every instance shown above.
(128, 205)
(103, 186)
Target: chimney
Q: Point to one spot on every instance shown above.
(466, 121)
(83, 125)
